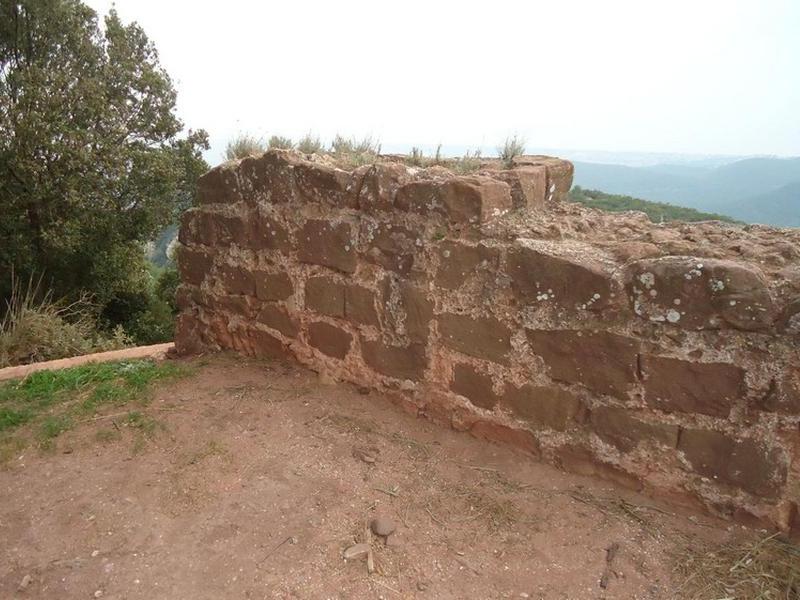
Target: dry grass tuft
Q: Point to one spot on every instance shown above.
(281, 143)
(244, 145)
(513, 147)
(764, 569)
(310, 144)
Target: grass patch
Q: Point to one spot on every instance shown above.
(244, 145)
(53, 402)
(763, 569)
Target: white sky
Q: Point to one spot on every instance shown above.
(691, 76)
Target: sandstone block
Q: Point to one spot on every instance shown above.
(325, 296)
(393, 247)
(474, 386)
(544, 273)
(237, 305)
(328, 244)
(267, 345)
(742, 463)
(544, 407)
(193, 265)
(400, 362)
(674, 385)
(329, 340)
(277, 317)
(620, 427)
(580, 460)
(601, 361)
(528, 186)
(220, 185)
(377, 185)
(418, 310)
(188, 335)
(559, 174)
(325, 185)
(269, 178)
(503, 434)
(273, 286)
(459, 199)
(458, 261)
(269, 234)
(482, 337)
(237, 280)
(359, 306)
(698, 293)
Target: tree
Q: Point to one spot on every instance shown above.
(92, 161)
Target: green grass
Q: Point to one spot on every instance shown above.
(52, 402)
(657, 211)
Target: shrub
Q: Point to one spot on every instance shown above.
(244, 145)
(416, 157)
(310, 144)
(36, 328)
(514, 146)
(471, 161)
(280, 142)
(343, 145)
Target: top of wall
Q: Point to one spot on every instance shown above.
(726, 275)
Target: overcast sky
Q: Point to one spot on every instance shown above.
(689, 76)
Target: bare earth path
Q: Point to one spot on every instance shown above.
(259, 476)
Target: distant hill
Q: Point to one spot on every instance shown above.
(657, 211)
(756, 190)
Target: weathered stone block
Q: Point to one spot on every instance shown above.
(559, 174)
(265, 344)
(503, 434)
(201, 226)
(237, 305)
(269, 178)
(482, 337)
(188, 296)
(193, 265)
(544, 273)
(620, 427)
(220, 185)
(393, 247)
(359, 306)
(188, 335)
(474, 386)
(273, 286)
(458, 261)
(376, 185)
(400, 362)
(580, 460)
(475, 199)
(277, 317)
(601, 361)
(418, 309)
(700, 293)
(269, 234)
(329, 340)
(544, 406)
(324, 184)
(528, 186)
(742, 463)
(328, 244)
(674, 385)
(325, 296)
(460, 199)
(237, 280)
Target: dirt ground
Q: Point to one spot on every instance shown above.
(258, 476)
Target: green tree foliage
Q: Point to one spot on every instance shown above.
(92, 160)
(656, 211)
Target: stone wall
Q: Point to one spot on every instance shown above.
(665, 358)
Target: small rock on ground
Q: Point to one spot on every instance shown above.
(356, 551)
(383, 526)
